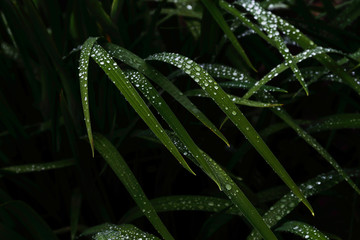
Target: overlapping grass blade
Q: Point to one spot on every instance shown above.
(245, 85)
(233, 192)
(110, 67)
(37, 167)
(234, 99)
(145, 87)
(303, 230)
(139, 64)
(268, 24)
(296, 36)
(280, 112)
(111, 231)
(125, 175)
(288, 202)
(83, 77)
(208, 84)
(218, 17)
(283, 66)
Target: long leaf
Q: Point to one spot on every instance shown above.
(125, 175)
(37, 167)
(83, 76)
(303, 230)
(111, 231)
(234, 99)
(235, 115)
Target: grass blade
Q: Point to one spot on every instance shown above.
(83, 76)
(38, 167)
(216, 14)
(288, 202)
(111, 231)
(338, 121)
(110, 67)
(303, 230)
(125, 175)
(234, 99)
(146, 69)
(235, 115)
(186, 203)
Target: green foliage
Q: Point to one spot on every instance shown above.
(123, 78)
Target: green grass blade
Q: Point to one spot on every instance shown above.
(111, 231)
(110, 67)
(83, 77)
(234, 99)
(29, 220)
(288, 202)
(235, 115)
(125, 175)
(150, 72)
(218, 17)
(283, 66)
(38, 167)
(303, 230)
(139, 81)
(337, 121)
(234, 84)
(186, 203)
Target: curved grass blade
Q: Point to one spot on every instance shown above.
(283, 66)
(216, 14)
(239, 79)
(139, 81)
(111, 231)
(288, 202)
(110, 67)
(37, 167)
(125, 175)
(83, 76)
(186, 203)
(235, 115)
(234, 99)
(269, 25)
(303, 230)
(150, 72)
(234, 84)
